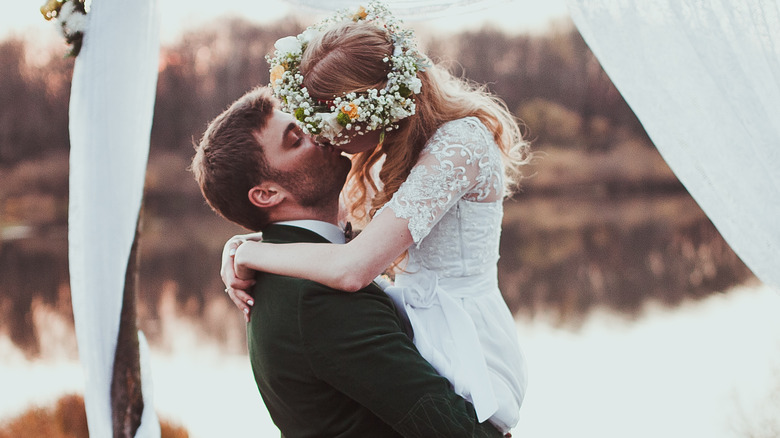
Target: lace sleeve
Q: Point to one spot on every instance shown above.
(460, 160)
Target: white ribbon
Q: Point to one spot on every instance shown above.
(446, 337)
(407, 9)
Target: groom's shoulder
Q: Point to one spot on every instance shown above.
(331, 319)
(325, 304)
(310, 294)
(316, 293)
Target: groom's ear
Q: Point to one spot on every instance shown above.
(266, 195)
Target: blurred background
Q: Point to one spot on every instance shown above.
(636, 317)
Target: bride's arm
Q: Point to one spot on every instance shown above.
(448, 168)
(244, 280)
(348, 267)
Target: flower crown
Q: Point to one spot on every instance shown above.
(356, 112)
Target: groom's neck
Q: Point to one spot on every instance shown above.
(329, 214)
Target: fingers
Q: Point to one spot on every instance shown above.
(255, 237)
(237, 283)
(242, 300)
(233, 245)
(229, 250)
(237, 287)
(228, 272)
(235, 241)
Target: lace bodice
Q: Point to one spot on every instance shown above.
(453, 200)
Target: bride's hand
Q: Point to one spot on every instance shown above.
(236, 284)
(240, 268)
(227, 271)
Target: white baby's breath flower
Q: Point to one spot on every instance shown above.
(415, 84)
(307, 35)
(66, 11)
(288, 45)
(330, 126)
(76, 23)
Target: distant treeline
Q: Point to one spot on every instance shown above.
(551, 80)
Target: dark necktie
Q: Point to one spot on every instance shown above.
(348, 234)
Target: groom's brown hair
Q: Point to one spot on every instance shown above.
(229, 161)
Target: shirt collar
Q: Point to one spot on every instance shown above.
(333, 233)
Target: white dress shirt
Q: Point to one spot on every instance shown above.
(332, 232)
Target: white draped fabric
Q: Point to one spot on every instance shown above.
(704, 79)
(406, 9)
(111, 105)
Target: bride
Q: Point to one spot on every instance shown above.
(450, 152)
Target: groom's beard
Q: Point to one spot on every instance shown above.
(316, 185)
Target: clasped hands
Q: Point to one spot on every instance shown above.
(238, 280)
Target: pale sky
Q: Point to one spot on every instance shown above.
(24, 17)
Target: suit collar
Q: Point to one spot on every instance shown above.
(332, 232)
(280, 233)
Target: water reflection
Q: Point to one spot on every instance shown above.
(617, 302)
(561, 256)
(574, 256)
(705, 369)
(673, 373)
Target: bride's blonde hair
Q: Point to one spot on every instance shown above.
(348, 58)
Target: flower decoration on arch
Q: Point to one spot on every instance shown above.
(71, 16)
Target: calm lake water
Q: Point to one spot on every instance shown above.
(706, 369)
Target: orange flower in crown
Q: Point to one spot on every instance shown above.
(276, 73)
(361, 14)
(350, 110)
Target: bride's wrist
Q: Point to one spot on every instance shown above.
(242, 259)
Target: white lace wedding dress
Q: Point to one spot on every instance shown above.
(449, 290)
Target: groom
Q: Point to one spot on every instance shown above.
(327, 363)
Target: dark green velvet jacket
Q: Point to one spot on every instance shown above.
(334, 364)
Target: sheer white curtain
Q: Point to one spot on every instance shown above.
(406, 9)
(111, 105)
(704, 79)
